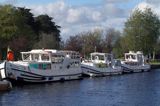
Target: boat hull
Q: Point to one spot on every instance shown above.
(137, 68)
(96, 72)
(16, 74)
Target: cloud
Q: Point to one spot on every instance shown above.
(149, 4)
(111, 10)
(142, 6)
(74, 15)
(78, 19)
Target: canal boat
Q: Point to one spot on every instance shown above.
(100, 64)
(43, 65)
(134, 62)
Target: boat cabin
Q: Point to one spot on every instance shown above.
(134, 57)
(42, 56)
(71, 54)
(101, 57)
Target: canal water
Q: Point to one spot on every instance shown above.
(137, 89)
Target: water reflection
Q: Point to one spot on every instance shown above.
(139, 89)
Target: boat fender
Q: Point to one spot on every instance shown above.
(10, 56)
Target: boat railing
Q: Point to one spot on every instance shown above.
(87, 61)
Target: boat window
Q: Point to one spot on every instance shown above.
(117, 63)
(101, 57)
(48, 66)
(57, 58)
(45, 57)
(42, 66)
(97, 57)
(35, 57)
(109, 58)
(133, 56)
(26, 57)
(93, 57)
(127, 56)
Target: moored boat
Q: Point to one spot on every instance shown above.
(42, 65)
(134, 62)
(100, 64)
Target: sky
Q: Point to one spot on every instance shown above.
(77, 16)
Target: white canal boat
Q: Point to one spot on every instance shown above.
(43, 66)
(100, 64)
(134, 62)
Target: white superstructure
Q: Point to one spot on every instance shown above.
(134, 62)
(100, 64)
(43, 66)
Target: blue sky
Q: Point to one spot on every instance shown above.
(71, 2)
(76, 16)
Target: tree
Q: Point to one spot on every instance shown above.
(74, 43)
(110, 39)
(91, 42)
(85, 42)
(8, 28)
(20, 30)
(47, 41)
(142, 30)
(13, 29)
(46, 26)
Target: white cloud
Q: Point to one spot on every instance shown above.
(83, 18)
(153, 4)
(142, 6)
(79, 19)
(96, 16)
(74, 15)
(111, 10)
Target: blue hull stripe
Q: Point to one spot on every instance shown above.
(126, 68)
(92, 70)
(45, 76)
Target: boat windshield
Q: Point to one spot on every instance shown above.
(55, 58)
(45, 57)
(26, 57)
(35, 57)
(109, 57)
(131, 57)
(97, 57)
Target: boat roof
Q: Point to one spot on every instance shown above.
(41, 51)
(95, 53)
(133, 53)
(68, 51)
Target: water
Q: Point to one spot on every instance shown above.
(138, 89)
